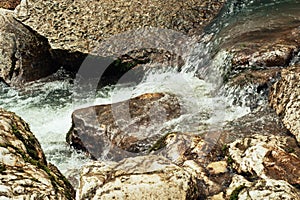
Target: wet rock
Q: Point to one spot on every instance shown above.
(285, 99)
(123, 129)
(80, 25)
(9, 4)
(259, 47)
(25, 173)
(270, 189)
(262, 120)
(275, 157)
(24, 54)
(145, 177)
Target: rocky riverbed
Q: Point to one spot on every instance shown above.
(135, 100)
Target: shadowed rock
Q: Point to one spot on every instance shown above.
(25, 55)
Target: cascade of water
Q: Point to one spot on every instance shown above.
(47, 106)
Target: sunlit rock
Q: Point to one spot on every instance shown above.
(123, 129)
(145, 177)
(79, 25)
(285, 99)
(270, 189)
(275, 157)
(25, 174)
(24, 55)
(217, 167)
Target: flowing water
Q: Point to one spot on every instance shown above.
(47, 104)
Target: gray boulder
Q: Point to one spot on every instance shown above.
(24, 55)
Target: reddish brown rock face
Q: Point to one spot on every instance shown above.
(9, 4)
(124, 128)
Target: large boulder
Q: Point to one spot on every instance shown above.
(145, 177)
(123, 129)
(79, 25)
(285, 99)
(25, 173)
(25, 55)
(9, 4)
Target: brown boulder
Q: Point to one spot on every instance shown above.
(122, 129)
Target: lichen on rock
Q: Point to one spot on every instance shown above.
(25, 172)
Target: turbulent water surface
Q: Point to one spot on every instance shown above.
(47, 104)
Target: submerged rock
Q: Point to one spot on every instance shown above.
(145, 177)
(25, 173)
(9, 4)
(24, 55)
(285, 99)
(274, 157)
(122, 129)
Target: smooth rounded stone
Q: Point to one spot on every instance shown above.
(268, 189)
(275, 157)
(285, 99)
(80, 25)
(9, 4)
(25, 173)
(24, 55)
(143, 177)
(123, 129)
